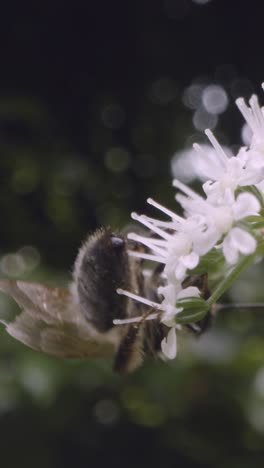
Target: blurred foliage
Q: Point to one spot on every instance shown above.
(91, 112)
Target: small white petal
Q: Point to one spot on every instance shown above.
(169, 344)
(169, 293)
(190, 261)
(246, 204)
(243, 241)
(237, 241)
(230, 253)
(191, 291)
(180, 271)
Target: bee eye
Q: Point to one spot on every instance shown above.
(117, 242)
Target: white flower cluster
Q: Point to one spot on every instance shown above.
(212, 221)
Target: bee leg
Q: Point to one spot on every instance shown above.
(129, 355)
(142, 339)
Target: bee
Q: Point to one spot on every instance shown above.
(77, 322)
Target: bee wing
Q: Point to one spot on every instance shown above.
(51, 322)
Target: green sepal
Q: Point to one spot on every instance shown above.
(209, 263)
(255, 222)
(195, 309)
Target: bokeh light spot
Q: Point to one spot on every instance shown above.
(117, 159)
(201, 2)
(202, 120)
(192, 96)
(23, 261)
(12, 265)
(215, 100)
(31, 257)
(37, 381)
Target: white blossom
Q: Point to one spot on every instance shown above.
(214, 220)
(221, 220)
(254, 117)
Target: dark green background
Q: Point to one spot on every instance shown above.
(62, 66)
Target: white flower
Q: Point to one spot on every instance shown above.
(171, 295)
(210, 221)
(238, 240)
(180, 256)
(221, 221)
(254, 117)
(200, 162)
(254, 165)
(254, 155)
(225, 174)
(174, 249)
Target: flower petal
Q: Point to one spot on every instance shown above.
(230, 253)
(191, 261)
(243, 241)
(246, 204)
(191, 291)
(169, 344)
(237, 241)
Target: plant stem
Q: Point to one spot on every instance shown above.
(239, 306)
(229, 279)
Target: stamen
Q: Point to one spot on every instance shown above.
(165, 210)
(153, 258)
(151, 240)
(144, 220)
(245, 111)
(185, 202)
(148, 243)
(189, 192)
(165, 224)
(145, 301)
(257, 111)
(218, 148)
(135, 319)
